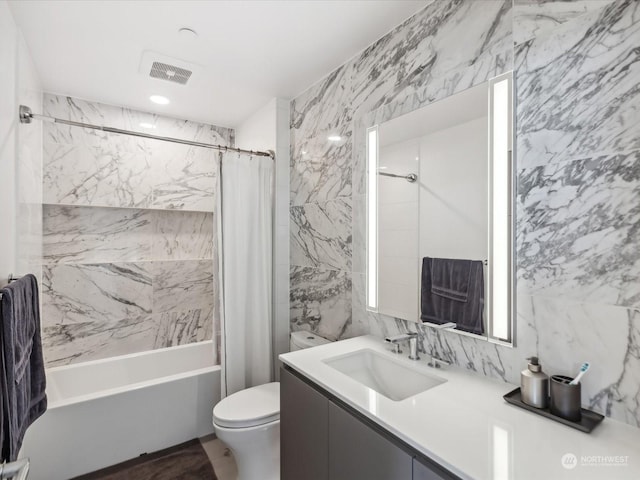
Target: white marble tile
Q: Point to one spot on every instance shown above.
(65, 344)
(102, 175)
(532, 18)
(569, 333)
(321, 234)
(75, 109)
(181, 235)
(321, 169)
(95, 235)
(577, 230)
(184, 177)
(96, 306)
(323, 109)
(320, 301)
(577, 88)
(183, 327)
(443, 37)
(107, 292)
(92, 167)
(180, 285)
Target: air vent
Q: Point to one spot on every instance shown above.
(171, 73)
(162, 67)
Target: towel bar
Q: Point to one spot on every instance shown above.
(17, 470)
(9, 280)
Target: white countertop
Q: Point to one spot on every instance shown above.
(466, 426)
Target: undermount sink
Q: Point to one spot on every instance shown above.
(386, 376)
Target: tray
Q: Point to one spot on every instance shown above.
(589, 421)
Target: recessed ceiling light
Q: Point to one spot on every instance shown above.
(304, 152)
(188, 33)
(147, 125)
(159, 99)
(334, 138)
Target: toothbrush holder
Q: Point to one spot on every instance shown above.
(566, 399)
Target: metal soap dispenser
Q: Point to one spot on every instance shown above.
(535, 385)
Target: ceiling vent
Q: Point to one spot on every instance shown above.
(163, 67)
(171, 73)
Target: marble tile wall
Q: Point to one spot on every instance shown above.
(578, 255)
(129, 251)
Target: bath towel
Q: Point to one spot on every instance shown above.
(452, 290)
(22, 378)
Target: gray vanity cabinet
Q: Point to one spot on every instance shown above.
(304, 436)
(423, 470)
(357, 451)
(322, 439)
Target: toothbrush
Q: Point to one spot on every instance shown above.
(583, 370)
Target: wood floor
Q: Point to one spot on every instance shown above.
(204, 459)
(220, 457)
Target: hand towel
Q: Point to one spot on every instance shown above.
(459, 295)
(450, 278)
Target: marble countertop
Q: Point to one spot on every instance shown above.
(465, 425)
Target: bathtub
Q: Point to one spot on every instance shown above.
(106, 411)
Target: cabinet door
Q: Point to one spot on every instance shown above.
(423, 470)
(304, 421)
(356, 451)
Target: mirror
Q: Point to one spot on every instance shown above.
(439, 214)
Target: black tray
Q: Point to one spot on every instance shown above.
(589, 421)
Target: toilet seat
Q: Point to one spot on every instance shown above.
(249, 408)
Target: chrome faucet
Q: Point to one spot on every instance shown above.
(436, 362)
(411, 337)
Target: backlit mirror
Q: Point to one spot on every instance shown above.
(439, 214)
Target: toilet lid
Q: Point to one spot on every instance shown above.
(249, 408)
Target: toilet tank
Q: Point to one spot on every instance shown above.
(301, 339)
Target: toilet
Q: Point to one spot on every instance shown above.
(248, 422)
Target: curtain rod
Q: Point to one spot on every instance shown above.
(26, 116)
(411, 177)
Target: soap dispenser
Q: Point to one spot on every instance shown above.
(534, 385)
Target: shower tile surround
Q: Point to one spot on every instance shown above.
(128, 234)
(578, 169)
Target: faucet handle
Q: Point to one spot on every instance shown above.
(436, 362)
(401, 338)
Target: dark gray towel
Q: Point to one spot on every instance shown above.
(458, 296)
(450, 278)
(23, 379)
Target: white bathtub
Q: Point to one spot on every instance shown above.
(107, 411)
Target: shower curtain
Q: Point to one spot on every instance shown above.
(245, 229)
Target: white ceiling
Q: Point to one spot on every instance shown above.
(250, 51)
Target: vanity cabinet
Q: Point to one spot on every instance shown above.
(423, 470)
(323, 439)
(304, 434)
(356, 451)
